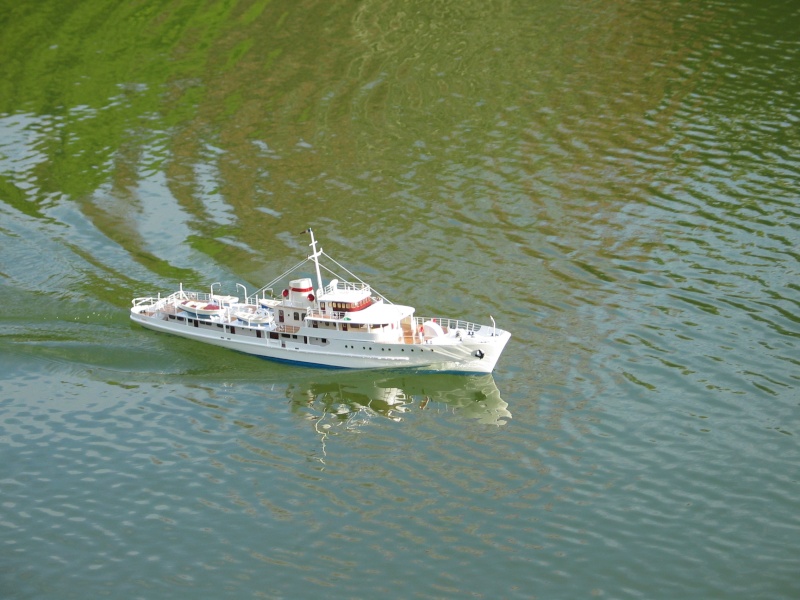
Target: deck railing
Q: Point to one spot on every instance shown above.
(179, 295)
(347, 286)
(448, 324)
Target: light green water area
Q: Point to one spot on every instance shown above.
(616, 182)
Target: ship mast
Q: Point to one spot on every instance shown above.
(315, 255)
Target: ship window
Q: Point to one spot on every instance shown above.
(296, 316)
(258, 333)
(324, 340)
(273, 335)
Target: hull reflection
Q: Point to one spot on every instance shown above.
(352, 399)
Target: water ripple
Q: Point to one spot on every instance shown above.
(616, 184)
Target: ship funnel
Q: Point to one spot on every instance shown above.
(301, 292)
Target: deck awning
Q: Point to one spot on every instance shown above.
(380, 313)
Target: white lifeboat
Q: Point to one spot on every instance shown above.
(201, 309)
(255, 317)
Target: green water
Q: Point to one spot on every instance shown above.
(616, 183)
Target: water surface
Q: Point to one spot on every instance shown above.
(614, 182)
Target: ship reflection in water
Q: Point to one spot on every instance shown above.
(353, 399)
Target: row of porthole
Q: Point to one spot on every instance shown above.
(382, 349)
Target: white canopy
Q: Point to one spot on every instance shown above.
(380, 313)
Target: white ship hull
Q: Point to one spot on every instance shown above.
(342, 324)
(349, 353)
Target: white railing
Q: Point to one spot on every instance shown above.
(154, 301)
(448, 324)
(159, 301)
(260, 295)
(346, 286)
(329, 314)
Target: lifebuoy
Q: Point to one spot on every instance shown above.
(285, 293)
(310, 297)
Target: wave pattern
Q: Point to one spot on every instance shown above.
(615, 182)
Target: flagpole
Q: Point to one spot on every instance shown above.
(315, 254)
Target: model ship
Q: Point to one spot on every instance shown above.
(343, 323)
